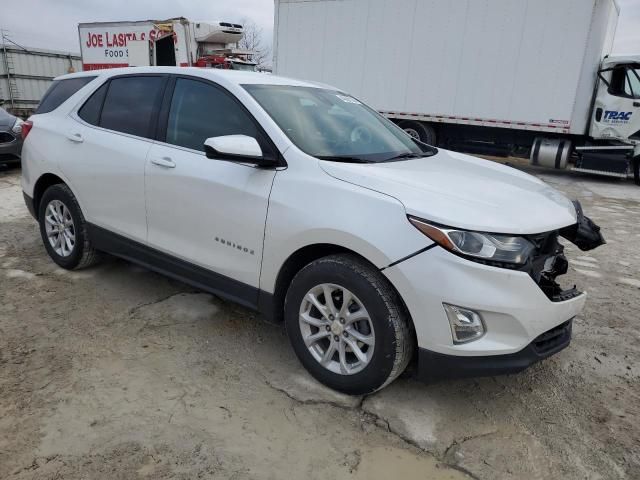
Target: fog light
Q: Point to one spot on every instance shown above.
(466, 325)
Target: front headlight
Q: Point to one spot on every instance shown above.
(484, 246)
(17, 127)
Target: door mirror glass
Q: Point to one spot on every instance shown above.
(241, 148)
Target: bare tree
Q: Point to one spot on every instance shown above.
(253, 40)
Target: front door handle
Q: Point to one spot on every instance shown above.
(75, 137)
(636, 104)
(165, 162)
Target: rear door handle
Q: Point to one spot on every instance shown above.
(165, 162)
(75, 137)
(636, 104)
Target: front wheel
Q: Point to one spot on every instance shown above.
(347, 325)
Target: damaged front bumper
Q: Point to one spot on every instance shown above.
(526, 314)
(549, 262)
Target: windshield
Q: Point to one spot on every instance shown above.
(331, 125)
(248, 67)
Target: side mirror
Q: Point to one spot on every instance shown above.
(236, 148)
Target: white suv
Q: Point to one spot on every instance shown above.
(298, 201)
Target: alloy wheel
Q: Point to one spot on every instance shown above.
(60, 229)
(337, 329)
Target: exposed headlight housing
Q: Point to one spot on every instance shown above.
(488, 247)
(17, 127)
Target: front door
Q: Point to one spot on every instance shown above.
(210, 213)
(617, 106)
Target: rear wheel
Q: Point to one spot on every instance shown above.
(347, 325)
(420, 131)
(636, 170)
(63, 229)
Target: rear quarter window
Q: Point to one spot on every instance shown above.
(60, 91)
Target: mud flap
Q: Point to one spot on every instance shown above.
(585, 234)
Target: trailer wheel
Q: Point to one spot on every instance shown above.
(636, 170)
(421, 131)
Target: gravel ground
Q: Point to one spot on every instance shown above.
(116, 372)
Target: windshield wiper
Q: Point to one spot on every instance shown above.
(407, 156)
(345, 159)
(410, 156)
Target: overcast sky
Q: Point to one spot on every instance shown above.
(53, 24)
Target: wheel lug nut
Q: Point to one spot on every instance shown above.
(336, 338)
(328, 328)
(331, 317)
(346, 334)
(342, 321)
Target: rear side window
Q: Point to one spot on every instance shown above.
(199, 111)
(60, 91)
(90, 111)
(131, 105)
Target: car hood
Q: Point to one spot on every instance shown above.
(6, 120)
(464, 192)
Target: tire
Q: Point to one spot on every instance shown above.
(78, 253)
(386, 329)
(636, 170)
(422, 131)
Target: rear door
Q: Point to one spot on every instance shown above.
(210, 213)
(108, 146)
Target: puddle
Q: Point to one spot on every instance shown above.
(387, 463)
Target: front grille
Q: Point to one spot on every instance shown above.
(553, 339)
(6, 137)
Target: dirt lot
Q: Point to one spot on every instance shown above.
(116, 372)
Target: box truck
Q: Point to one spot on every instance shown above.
(530, 78)
(173, 42)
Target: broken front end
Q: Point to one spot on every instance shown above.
(549, 262)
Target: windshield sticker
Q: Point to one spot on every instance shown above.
(347, 99)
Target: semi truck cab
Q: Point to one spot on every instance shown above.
(616, 114)
(615, 122)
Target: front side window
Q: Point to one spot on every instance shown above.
(131, 104)
(334, 126)
(60, 91)
(633, 80)
(200, 111)
(625, 82)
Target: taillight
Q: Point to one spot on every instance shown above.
(26, 128)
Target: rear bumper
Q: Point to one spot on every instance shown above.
(434, 367)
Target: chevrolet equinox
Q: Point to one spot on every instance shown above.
(300, 202)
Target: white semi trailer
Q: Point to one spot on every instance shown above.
(530, 78)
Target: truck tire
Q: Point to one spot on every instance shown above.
(64, 229)
(357, 347)
(636, 170)
(422, 131)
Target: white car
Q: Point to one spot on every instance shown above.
(298, 201)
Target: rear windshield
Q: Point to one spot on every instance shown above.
(60, 91)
